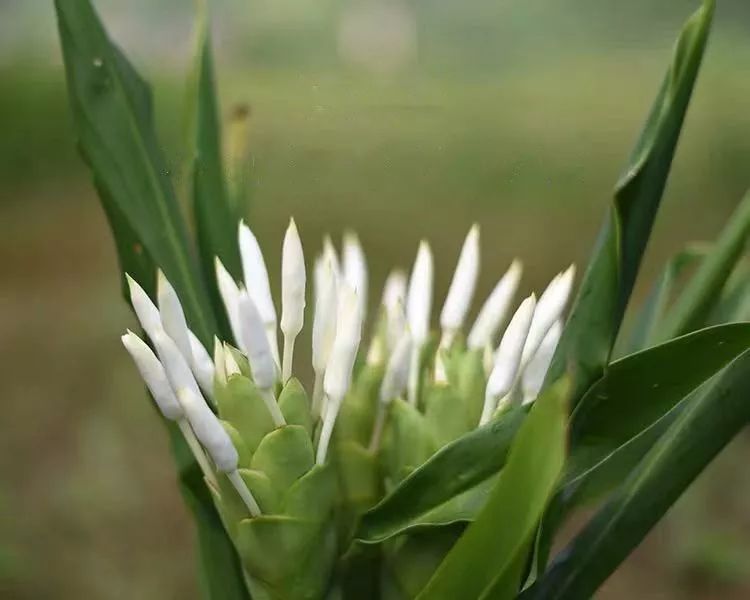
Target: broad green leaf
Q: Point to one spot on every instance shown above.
(655, 307)
(701, 430)
(704, 289)
(215, 218)
(597, 313)
(113, 119)
(452, 470)
(493, 547)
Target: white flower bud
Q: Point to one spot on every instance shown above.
(153, 376)
(549, 309)
(419, 297)
(230, 296)
(220, 371)
(394, 301)
(494, 311)
(230, 363)
(209, 431)
(173, 317)
(255, 340)
(292, 282)
(345, 344)
(396, 375)
(256, 275)
(145, 309)
(535, 372)
(461, 290)
(175, 365)
(324, 321)
(203, 366)
(508, 357)
(355, 268)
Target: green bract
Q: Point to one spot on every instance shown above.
(432, 505)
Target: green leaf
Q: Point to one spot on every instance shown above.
(215, 218)
(493, 547)
(704, 289)
(452, 470)
(113, 119)
(597, 313)
(703, 428)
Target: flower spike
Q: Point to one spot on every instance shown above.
(173, 317)
(145, 309)
(508, 358)
(230, 296)
(355, 268)
(534, 373)
(203, 365)
(461, 290)
(495, 308)
(292, 295)
(324, 330)
(256, 282)
(418, 308)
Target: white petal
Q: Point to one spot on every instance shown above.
(254, 338)
(495, 309)
(173, 317)
(534, 373)
(419, 297)
(220, 371)
(230, 295)
(324, 321)
(203, 366)
(461, 290)
(394, 301)
(256, 275)
(345, 345)
(175, 365)
(145, 309)
(209, 431)
(292, 282)
(549, 309)
(355, 268)
(508, 356)
(153, 375)
(396, 375)
(230, 363)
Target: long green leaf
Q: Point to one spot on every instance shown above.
(711, 420)
(114, 124)
(703, 290)
(113, 118)
(595, 319)
(490, 553)
(215, 218)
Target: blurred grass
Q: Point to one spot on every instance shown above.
(528, 142)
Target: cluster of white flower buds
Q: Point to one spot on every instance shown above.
(180, 376)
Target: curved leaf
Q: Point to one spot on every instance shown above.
(702, 429)
(493, 547)
(597, 313)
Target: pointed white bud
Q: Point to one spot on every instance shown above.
(292, 282)
(461, 290)
(549, 309)
(495, 309)
(396, 375)
(534, 373)
(220, 371)
(329, 254)
(230, 296)
(256, 275)
(394, 302)
(203, 366)
(255, 340)
(355, 268)
(173, 317)
(345, 344)
(209, 431)
(508, 357)
(153, 376)
(145, 309)
(324, 321)
(175, 365)
(292, 294)
(419, 297)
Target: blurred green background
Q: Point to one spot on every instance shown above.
(400, 119)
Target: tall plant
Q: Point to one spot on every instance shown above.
(429, 467)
